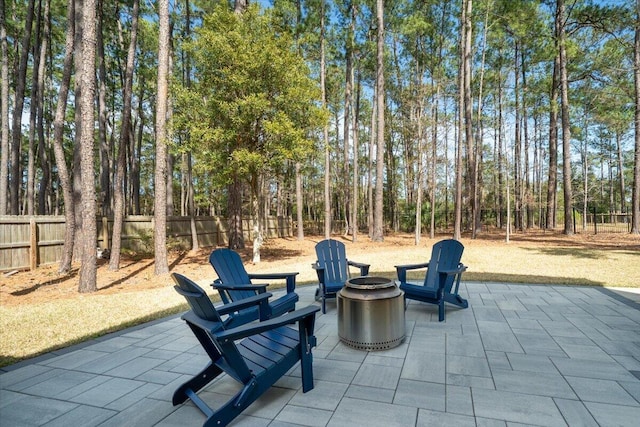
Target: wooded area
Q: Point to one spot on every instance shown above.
(377, 114)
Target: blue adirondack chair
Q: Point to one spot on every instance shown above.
(442, 280)
(332, 268)
(268, 350)
(234, 284)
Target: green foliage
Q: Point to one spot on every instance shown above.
(252, 104)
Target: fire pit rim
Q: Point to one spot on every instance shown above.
(370, 282)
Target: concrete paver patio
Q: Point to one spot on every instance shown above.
(519, 355)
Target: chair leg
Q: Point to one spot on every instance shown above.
(324, 304)
(306, 366)
(441, 310)
(203, 378)
(457, 300)
(234, 407)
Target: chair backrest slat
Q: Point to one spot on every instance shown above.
(332, 256)
(197, 298)
(446, 255)
(229, 268)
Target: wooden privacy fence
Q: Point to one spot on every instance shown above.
(29, 241)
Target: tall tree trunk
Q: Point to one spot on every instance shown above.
(584, 154)
(478, 143)
(378, 220)
(298, 177)
(612, 191)
(356, 172)
(171, 158)
(29, 198)
(76, 176)
(435, 127)
(18, 105)
(457, 222)
(552, 185)
(501, 153)
(88, 279)
(170, 162)
(496, 170)
(348, 91)
(527, 214)
(566, 124)
(234, 208)
(517, 144)
(420, 171)
(160, 181)
(125, 132)
(4, 112)
(299, 201)
(256, 216)
(434, 161)
(327, 160)
(58, 149)
(372, 146)
(184, 184)
(136, 149)
(105, 149)
(635, 198)
(468, 121)
(195, 245)
(43, 190)
(623, 204)
(508, 191)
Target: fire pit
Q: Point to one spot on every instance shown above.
(371, 313)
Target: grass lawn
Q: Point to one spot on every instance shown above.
(41, 311)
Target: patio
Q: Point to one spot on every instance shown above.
(519, 355)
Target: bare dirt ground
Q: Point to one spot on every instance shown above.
(137, 273)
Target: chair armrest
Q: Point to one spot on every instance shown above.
(235, 306)
(364, 268)
(319, 271)
(267, 325)
(207, 325)
(413, 266)
(402, 270)
(461, 269)
(272, 275)
(290, 278)
(224, 296)
(257, 288)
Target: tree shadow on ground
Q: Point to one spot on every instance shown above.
(471, 276)
(269, 253)
(585, 253)
(62, 278)
(144, 266)
(543, 238)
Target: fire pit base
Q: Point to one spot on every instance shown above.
(371, 314)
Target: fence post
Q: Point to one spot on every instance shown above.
(33, 244)
(595, 221)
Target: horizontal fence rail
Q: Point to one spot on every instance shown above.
(29, 241)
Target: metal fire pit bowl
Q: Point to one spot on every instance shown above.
(371, 313)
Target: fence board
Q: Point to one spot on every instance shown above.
(137, 235)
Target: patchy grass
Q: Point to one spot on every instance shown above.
(41, 311)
